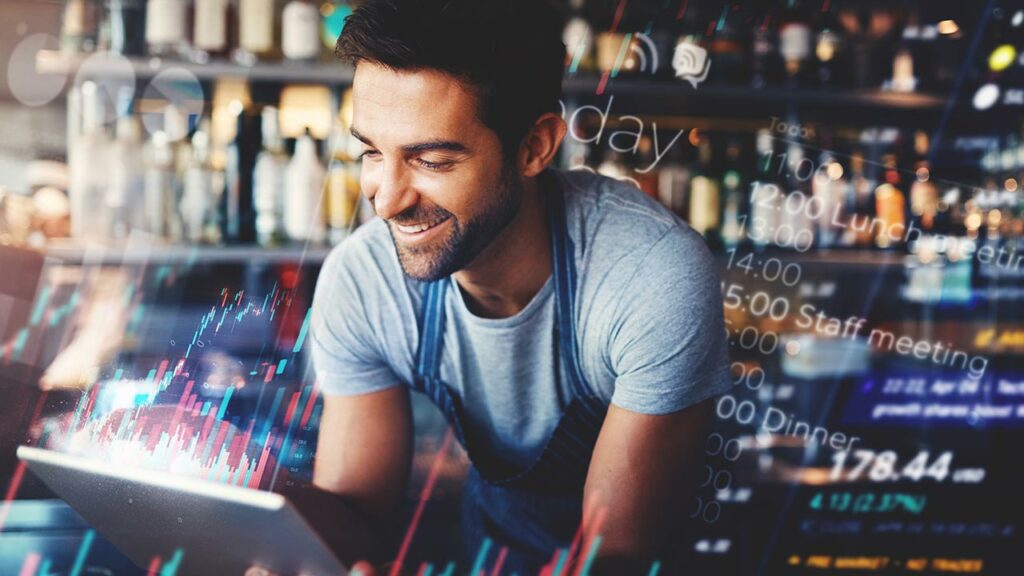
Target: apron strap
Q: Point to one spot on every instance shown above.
(429, 352)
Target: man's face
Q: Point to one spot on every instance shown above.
(431, 168)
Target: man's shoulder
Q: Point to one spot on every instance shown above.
(614, 218)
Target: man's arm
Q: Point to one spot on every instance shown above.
(361, 470)
(643, 471)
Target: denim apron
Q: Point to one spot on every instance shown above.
(533, 510)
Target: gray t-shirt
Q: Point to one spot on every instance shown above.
(648, 317)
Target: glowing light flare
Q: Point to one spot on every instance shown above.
(834, 171)
(948, 27)
(1002, 57)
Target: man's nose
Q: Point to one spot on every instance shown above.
(394, 194)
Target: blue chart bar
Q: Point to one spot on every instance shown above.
(478, 564)
(171, 568)
(83, 552)
(590, 556)
(302, 332)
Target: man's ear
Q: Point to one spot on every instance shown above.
(540, 144)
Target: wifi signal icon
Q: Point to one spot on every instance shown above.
(691, 63)
(638, 58)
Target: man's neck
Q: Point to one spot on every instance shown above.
(503, 278)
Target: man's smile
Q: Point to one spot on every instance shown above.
(420, 231)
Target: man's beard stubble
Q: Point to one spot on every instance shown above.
(466, 240)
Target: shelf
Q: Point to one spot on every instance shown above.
(69, 252)
(102, 65)
(73, 253)
(681, 90)
(741, 104)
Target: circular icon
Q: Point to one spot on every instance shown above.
(27, 85)
(114, 77)
(171, 103)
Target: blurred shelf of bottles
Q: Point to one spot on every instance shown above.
(190, 156)
(204, 31)
(217, 178)
(774, 191)
(911, 46)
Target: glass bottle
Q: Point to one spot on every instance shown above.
(268, 181)
(198, 208)
(304, 182)
(87, 183)
(79, 26)
(239, 218)
(126, 20)
(166, 27)
(257, 31)
(300, 31)
(210, 30)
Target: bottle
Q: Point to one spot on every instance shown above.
(304, 181)
(79, 26)
(578, 38)
(126, 22)
(830, 54)
(160, 201)
(767, 67)
(830, 189)
(268, 181)
(341, 201)
(903, 79)
(198, 209)
(863, 203)
(300, 34)
(673, 182)
(732, 185)
(705, 209)
(612, 166)
(166, 30)
(125, 196)
(87, 184)
(795, 44)
(728, 50)
(210, 30)
(257, 31)
(765, 192)
(644, 169)
(890, 207)
(239, 217)
(796, 230)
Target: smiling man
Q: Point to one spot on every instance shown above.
(568, 327)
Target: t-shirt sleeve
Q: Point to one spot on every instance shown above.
(347, 356)
(669, 348)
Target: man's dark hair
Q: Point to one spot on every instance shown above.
(510, 50)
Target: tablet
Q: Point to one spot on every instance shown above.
(203, 527)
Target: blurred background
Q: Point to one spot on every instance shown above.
(173, 173)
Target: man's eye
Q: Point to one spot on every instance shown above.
(434, 165)
(369, 154)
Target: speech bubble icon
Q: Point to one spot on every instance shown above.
(691, 63)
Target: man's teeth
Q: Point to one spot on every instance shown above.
(418, 227)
